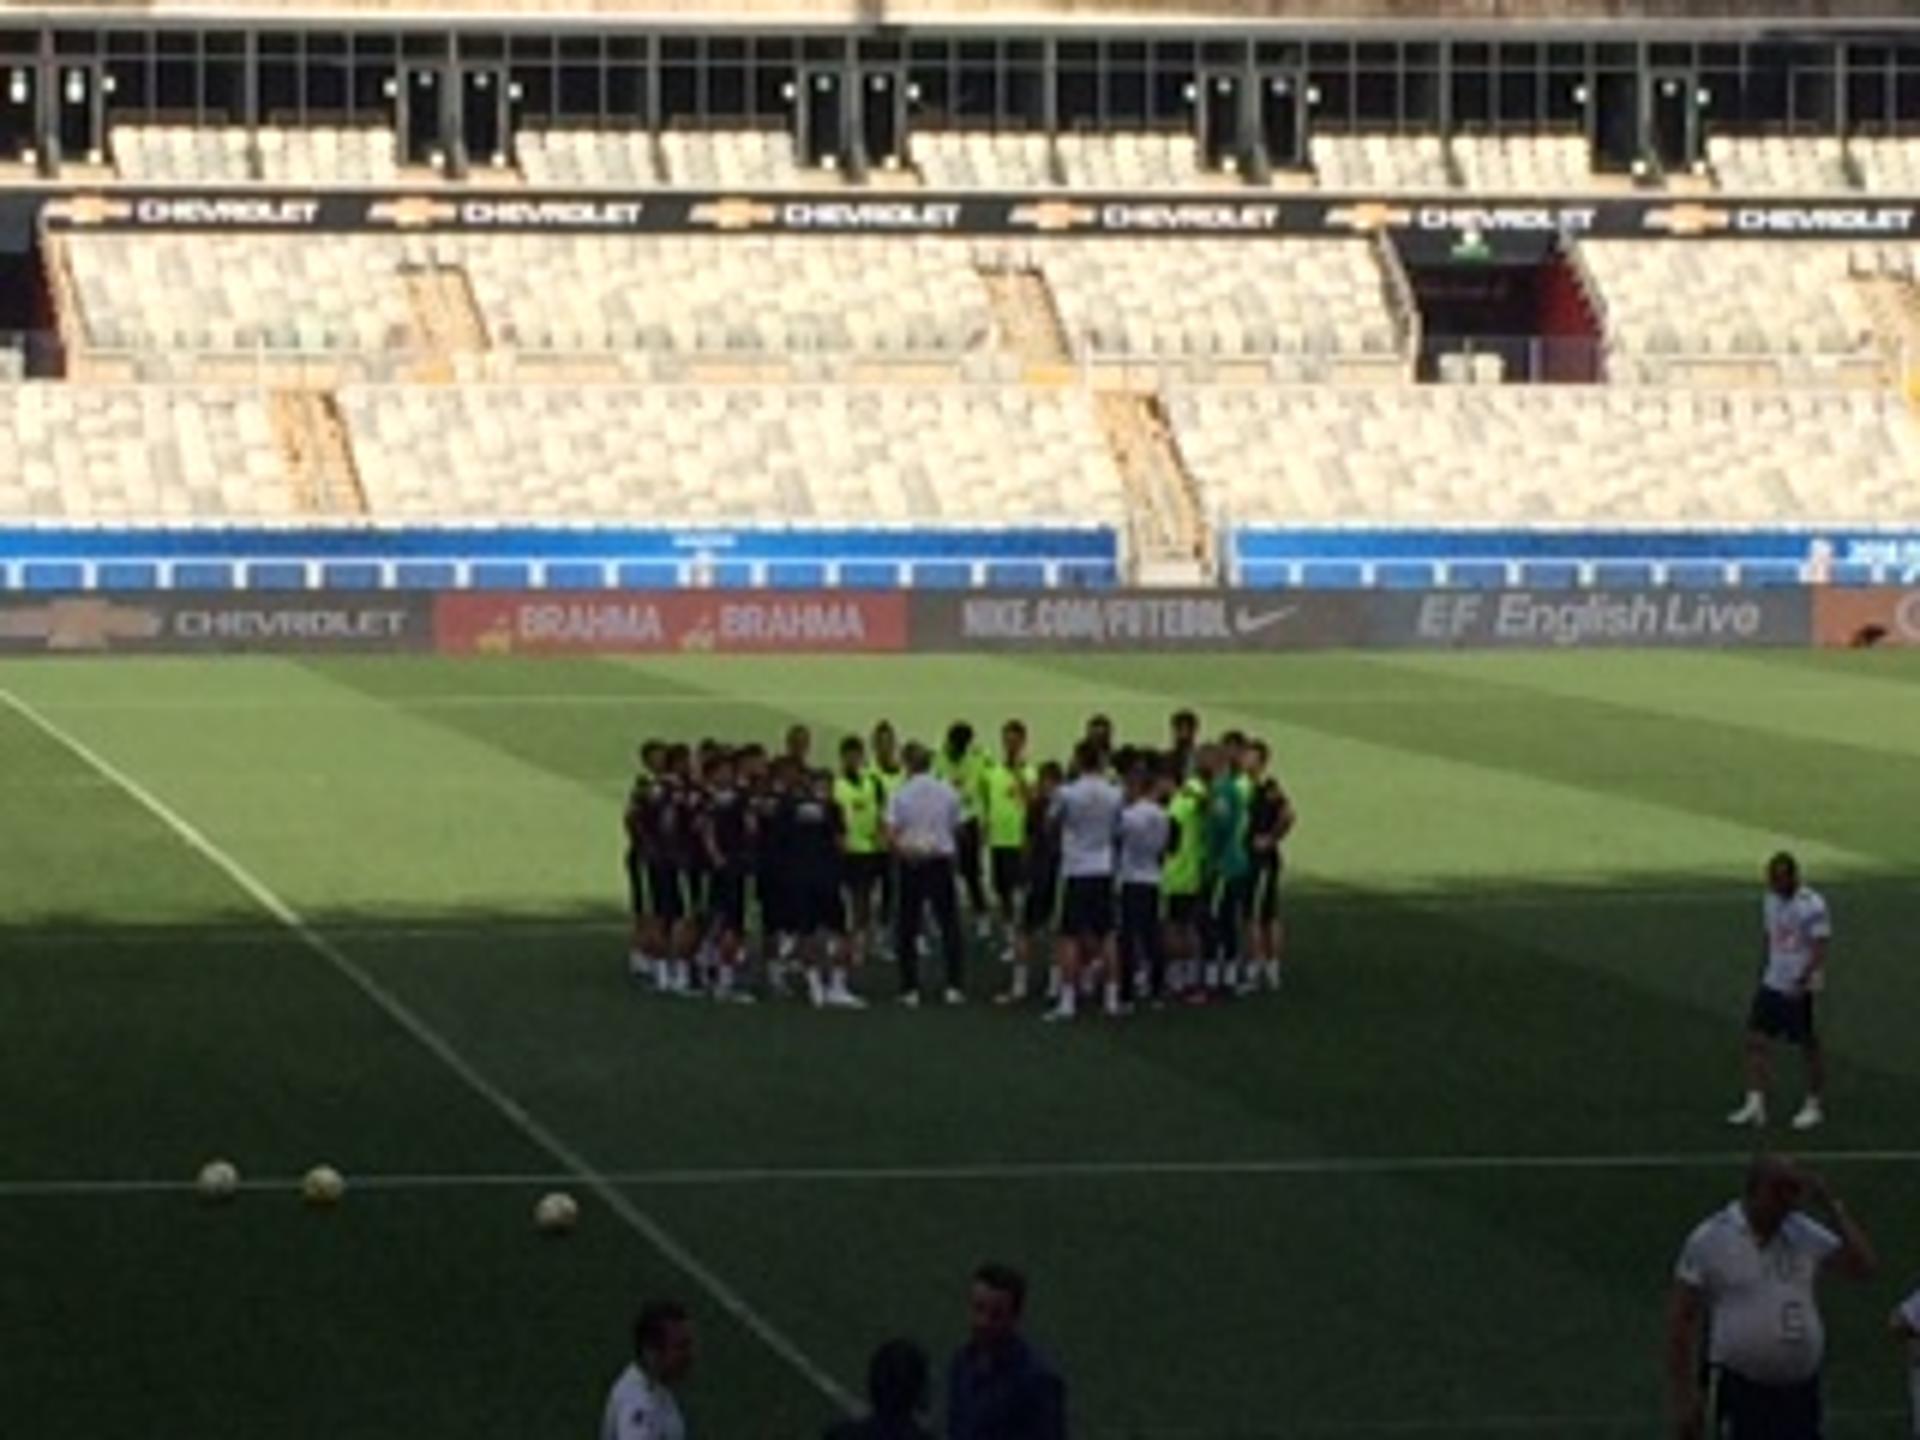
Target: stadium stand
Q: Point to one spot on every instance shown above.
(1676, 308)
(1523, 164)
(985, 160)
(566, 159)
(1792, 164)
(1223, 299)
(733, 159)
(1568, 455)
(183, 154)
(711, 455)
(1381, 162)
(1133, 162)
(1889, 164)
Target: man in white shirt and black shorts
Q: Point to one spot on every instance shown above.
(1087, 810)
(1750, 1272)
(1797, 933)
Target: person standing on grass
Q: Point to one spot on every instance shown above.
(998, 1386)
(1797, 931)
(1905, 1323)
(642, 1404)
(1006, 790)
(898, 1384)
(1040, 904)
(1270, 819)
(1183, 732)
(923, 830)
(1183, 879)
(962, 764)
(860, 796)
(1087, 811)
(889, 774)
(1750, 1271)
(1144, 829)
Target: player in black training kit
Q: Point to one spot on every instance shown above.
(1041, 902)
(726, 836)
(811, 857)
(772, 882)
(645, 947)
(664, 825)
(1270, 818)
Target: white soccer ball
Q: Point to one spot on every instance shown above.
(322, 1186)
(218, 1181)
(556, 1214)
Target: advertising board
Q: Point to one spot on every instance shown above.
(187, 622)
(644, 622)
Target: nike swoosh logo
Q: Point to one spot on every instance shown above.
(1250, 622)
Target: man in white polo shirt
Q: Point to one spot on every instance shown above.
(1087, 810)
(641, 1405)
(923, 826)
(1906, 1325)
(1798, 930)
(1751, 1271)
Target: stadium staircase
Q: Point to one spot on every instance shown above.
(1894, 303)
(312, 435)
(69, 318)
(1170, 542)
(1028, 320)
(446, 318)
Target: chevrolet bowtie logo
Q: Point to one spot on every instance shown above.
(1689, 219)
(79, 624)
(1053, 215)
(412, 212)
(734, 212)
(1368, 216)
(88, 210)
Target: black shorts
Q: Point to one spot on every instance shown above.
(727, 900)
(863, 874)
(636, 885)
(1185, 909)
(1744, 1410)
(1266, 891)
(817, 905)
(1088, 907)
(666, 893)
(1009, 872)
(770, 888)
(1139, 909)
(1041, 907)
(1782, 1017)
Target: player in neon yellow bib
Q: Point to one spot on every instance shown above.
(1006, 789)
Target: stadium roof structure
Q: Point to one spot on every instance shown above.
(1732, 14)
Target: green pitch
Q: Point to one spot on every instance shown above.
(1433, 1189)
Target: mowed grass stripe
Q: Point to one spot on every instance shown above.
(1765, 692)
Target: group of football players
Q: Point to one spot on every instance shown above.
(740, 856)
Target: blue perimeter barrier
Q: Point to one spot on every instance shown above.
(577, 558)
(1405, 558)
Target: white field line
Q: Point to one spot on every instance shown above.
(572, 1164)
(989, 1172)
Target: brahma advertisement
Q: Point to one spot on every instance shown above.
(637, 622)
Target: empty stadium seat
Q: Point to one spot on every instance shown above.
(983, 160)
(329, 155)
(1524, 164)
(1132, 162)
(157, 453)
(1373, 161)
(733, 159)
(733, 455)
(1221, 298)
(1889, 163)
(1564, 454)
(587, 158)
(1728, 298)
(182, 154)
(1764, 164)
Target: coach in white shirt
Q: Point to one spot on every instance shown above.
(1751, 1271)
(1906, 1325)
(1798, 930)
(923, 828)
(641, 1405)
